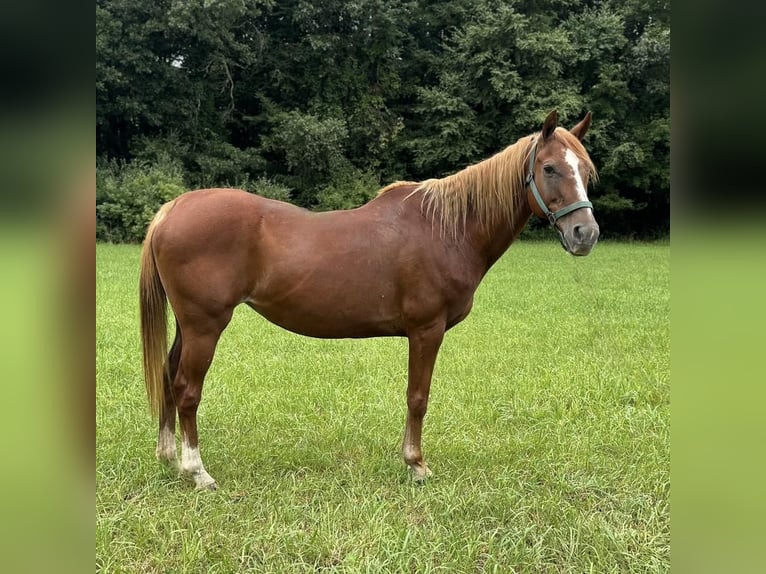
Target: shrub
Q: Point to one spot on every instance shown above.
(128, 196)
(267, 188)
(350, 189)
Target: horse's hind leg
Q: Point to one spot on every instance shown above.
(166, 438)
(199, 342)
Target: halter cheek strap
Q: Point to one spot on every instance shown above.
(552, 216)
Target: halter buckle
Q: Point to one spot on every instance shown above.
(552, 218)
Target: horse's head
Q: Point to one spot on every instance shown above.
(558, 172)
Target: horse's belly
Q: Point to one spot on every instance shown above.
(336, 322)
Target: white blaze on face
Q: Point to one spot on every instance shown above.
(574, 163)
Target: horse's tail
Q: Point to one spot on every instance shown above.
(153, 319)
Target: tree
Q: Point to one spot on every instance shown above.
(330, 100)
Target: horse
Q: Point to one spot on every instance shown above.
(406, 263)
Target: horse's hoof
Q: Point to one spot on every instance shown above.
(203, 481)
(207, 486)
(420, 473)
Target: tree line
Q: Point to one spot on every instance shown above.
(321, 103)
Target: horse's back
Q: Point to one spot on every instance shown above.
(225, 207)
(232, 246)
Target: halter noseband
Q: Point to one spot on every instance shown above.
(552, 216)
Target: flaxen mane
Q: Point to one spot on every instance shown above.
(490, 190)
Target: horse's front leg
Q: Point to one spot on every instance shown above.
(424, 346)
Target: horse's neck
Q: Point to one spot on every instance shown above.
(491, 243)
(493, 237)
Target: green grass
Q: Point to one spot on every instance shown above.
(547, 431)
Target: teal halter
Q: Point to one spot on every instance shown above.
(552, 216)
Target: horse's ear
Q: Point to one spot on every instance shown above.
(580, 129)
(550, 123)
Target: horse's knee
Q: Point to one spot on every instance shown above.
(417, 405)
(187, 398)
(188, 404)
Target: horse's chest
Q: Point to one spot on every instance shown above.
(459, 312)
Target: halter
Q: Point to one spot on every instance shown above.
(552, 216)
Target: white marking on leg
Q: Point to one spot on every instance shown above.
(166, 445)
(191, 461)
(191, 465)
(573, 161)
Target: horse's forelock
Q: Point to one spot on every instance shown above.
(571, 142)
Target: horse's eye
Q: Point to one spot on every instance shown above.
(548, 169)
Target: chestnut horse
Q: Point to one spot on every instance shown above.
(405, 264)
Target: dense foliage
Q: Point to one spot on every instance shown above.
(322, 102)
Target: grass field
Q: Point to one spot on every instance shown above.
(547, 431)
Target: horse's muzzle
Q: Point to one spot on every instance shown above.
(580, 238)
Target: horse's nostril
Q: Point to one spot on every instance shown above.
(577, 232)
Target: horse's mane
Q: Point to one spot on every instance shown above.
(491, 190)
